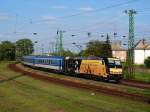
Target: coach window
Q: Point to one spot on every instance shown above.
(52, 61)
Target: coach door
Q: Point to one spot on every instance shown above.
(59, 64)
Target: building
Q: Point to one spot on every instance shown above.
(142, 51)
(118, 51)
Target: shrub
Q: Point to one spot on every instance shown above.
(147, 62)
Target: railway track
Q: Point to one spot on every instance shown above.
(134, 83)
(94, 88)
(131, 83)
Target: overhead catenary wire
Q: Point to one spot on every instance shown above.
(81, 13)
(92, 11)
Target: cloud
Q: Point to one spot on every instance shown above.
(59, 7)
(86, 9)
(49, 19)
(4, 16)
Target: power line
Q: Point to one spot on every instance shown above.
(101, 9)
(77, 14)
(93, 11)
(91, 26)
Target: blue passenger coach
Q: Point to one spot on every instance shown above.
(28, 60)
(49, 62)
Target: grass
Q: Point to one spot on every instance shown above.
(25, 94)
(144, 92)
(141, 73)
(142, 76)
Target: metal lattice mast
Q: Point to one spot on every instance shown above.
(59, 43)
(130, 53)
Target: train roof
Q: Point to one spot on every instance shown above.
(80, 58)
(43, 57)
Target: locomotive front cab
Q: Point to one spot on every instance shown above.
(114, 69)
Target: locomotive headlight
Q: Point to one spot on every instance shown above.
(115, 71)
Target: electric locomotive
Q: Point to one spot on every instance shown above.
(104, 68)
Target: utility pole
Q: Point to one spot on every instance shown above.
(51, 48)
(115, 35)
(130, 53)
(35, 48)
(59, 42)
(107, 39)
(42, 49)
(89, 34)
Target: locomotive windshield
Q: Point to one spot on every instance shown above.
(114, 63)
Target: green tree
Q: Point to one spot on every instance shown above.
(97, 48)
(147, 62)
(107, 39)
(24, 47)
(7, 50)
(65, 53)
(68, 53)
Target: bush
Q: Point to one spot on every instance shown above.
(139, 65)
(147, 62)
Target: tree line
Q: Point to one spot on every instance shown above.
(93, 48)
(12, 51)
(23, 47)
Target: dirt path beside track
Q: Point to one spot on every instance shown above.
(69, 83)
(134, 83)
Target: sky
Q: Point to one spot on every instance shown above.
(22, 18)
